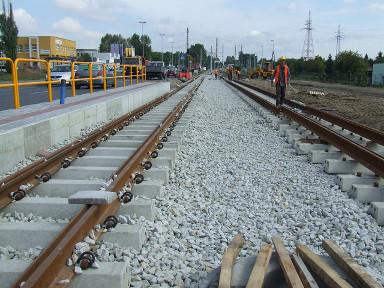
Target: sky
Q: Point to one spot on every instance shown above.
(252, 26)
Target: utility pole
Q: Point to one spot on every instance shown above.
(211, 61)
(142, 37)
(308, 50)
(162, 60)
(172, 51)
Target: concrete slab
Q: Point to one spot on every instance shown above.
(376, 209)
(92, 197)
(84, 172)
(157, 174)
(367, 193)
(304, 148)
(55, 208)
(163, 162)
(319, 156)
(10, 270)
(25, 235)
(111, 151)
(109, 274)
(104, 161)
(140, 207)
(346, 181)
(334, 166)
(149, 188)
(120, 143)
(126, 235)
(65, 187)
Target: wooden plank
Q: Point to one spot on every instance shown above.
(350, 266)
(304, 274)
(291, 276)
(256, 278)
(325, 272)
(229, 258)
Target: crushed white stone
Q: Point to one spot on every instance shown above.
(235, 173)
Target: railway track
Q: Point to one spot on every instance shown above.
(354, 152)
(119, 156)
(51, 265)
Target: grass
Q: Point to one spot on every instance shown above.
(23, 74)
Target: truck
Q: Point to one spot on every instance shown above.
(156, 69)
(131, 59)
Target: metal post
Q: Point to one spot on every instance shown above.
(142, 35)
(62, 92)
(172, 52)
(162, 60)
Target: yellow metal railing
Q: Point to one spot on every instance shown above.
(141, 71)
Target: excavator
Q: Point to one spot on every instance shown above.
(265, 70)
(131, 59)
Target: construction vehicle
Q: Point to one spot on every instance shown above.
(131, 59)
(265, 70)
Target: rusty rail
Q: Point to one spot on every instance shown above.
(50, 266)
(360, 129)
(363, 155)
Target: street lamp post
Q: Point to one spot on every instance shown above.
(172, 52)
(142, 35)
(261, 53)
(162, 60)
(273, 51)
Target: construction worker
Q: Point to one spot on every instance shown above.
(230, 72)
(216, 73)
(281, 76)
(238, 74)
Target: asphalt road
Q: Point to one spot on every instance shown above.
(34, 94)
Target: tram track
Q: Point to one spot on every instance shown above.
(45, 274)
(50, 267)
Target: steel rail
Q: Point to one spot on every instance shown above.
(51, 267)
(363, 155)
(360, 129)
(52, 163)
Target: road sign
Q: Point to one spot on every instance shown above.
(182, 57)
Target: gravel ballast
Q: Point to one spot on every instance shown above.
(235, 173)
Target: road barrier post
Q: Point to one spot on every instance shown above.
(62, 93)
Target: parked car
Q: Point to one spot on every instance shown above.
(97, 76)
(172, 72)
(59, 72)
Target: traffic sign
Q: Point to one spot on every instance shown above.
(182, 57)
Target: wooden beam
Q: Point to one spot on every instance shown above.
(291, 276)
(229, 258)
(304, 274)
(325, 272)
(256, 278)
(350, 266)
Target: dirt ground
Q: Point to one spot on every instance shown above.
(361, 104)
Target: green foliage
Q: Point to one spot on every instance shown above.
(379, 58)
(136, 41)
(351, 62)
(84, 58)
(9, 32)
(108, 39)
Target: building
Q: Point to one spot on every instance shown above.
(94, 53)
(378, 74)
(46, 48)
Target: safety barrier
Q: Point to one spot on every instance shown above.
(140, 72)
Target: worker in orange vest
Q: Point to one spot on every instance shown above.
(281, 76)
(238, 74)
(230, 72)
(216, 73)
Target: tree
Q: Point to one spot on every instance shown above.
(379, 58)
(9, 32)
(84, 58)
(136, 41)
(329, 66)
(351, 62)
(108, 39)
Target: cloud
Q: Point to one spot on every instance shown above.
(376, 6)
(24, 21)
(71, 29)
